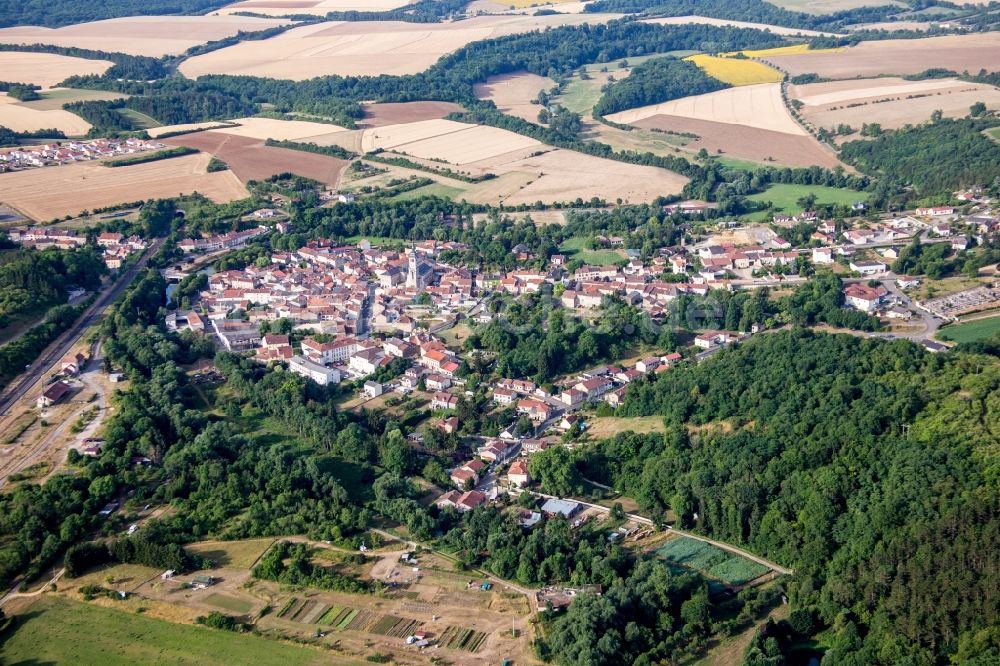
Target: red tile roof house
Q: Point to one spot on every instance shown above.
(469, 470)
(518, 475)
(535, 409)
(462, 501)
(73, 363)
(863, 297)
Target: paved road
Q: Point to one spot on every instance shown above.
(46, 362)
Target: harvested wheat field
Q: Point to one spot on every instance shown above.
(153, 36)
(279, 130)
(512, 93)
(831, 6)
(52, 192)
(899, 56)
(157, 132)
(565, 175)
(747, 143)
(525, 6)
(757, 106)
(891, 102)
(393, 113)
(453, 142)
(314, 7)
(249, 159)
(703, 20)
(20, 118)
(363, 48)
(46, 69)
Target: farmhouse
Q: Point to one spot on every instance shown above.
(461, 501)
(518, 475)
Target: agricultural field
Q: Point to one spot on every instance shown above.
(46, 69)
(971, 331)
(315, 7)
(994, 134)
(735, 71)
(742, 142)
(280, 130)
(157, 132)
(703, 20)
(365, 47)
(897, 56)
(393, 113)
(603, 427)
(243, 149)
(60, 631)
(757, 106)
(784, 197)
(54, 98)
(711, 561)
(232, 554)
(153, 36)
(832, 6)
(20, 117)
(513, 93)
(44, 194)
(891, 102)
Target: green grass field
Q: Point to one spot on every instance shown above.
(228, 603)
(141, 119)
(994, 134)
(971, 331)
(784, 197)
(601, 257)
(709, 560)
(60, 631)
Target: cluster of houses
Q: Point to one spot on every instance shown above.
(66, 152)
(340, 295)
(227, 241)
(115, 247)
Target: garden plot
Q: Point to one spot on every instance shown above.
(711, 561)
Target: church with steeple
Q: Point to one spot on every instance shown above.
(419, 272)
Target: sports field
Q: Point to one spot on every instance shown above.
(59, 631)
(971, 331)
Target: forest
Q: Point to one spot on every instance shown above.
(934, 159)
(868, 466)
(655, 81)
